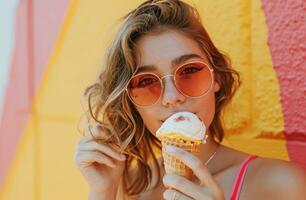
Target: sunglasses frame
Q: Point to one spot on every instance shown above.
(174, 81)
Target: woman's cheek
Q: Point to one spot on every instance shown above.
(211, 111)
(151, 124)
(205, 108)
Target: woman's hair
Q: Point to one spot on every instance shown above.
(109, 104)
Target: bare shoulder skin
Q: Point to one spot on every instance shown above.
(275, 179)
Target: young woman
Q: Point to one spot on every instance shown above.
(162, 61)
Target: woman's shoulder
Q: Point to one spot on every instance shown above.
(278, 179)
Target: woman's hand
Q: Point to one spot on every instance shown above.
(184, 189)
(100, 164)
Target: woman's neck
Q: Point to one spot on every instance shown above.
(218, 161)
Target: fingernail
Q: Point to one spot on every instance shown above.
(170, 149)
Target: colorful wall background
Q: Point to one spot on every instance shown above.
(58, 47)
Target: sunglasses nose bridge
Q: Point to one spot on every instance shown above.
(169, 75)
(171, 79)
(166, 76)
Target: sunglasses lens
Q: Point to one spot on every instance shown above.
(144, 89)
(193, 79)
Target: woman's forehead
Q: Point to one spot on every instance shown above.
(174, 63)
(168, 48)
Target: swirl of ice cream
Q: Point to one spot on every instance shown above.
(184, 125)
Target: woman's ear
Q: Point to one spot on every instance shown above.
(216, 86)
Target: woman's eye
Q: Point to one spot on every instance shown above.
(146, 82)
(190, 70)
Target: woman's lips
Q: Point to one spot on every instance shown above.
(163, 120)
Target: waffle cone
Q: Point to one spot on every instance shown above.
(173, 165)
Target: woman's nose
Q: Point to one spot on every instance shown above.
(171, 96)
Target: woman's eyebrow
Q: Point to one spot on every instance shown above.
(174, 62)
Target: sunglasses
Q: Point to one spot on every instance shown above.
(193, 79)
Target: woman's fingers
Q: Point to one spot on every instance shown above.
(86, 158)
(95, 146)
(90, 150)
(183, 185)
(96, 132)
(191, 190)
(170, 194)
(199, 169)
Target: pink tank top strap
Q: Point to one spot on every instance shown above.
(240, 177)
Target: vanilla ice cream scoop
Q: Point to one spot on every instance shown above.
(184, 125)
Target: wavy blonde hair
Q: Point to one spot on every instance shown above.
(109, 104)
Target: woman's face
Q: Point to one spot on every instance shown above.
(159, 50)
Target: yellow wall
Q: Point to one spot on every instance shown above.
(254, 121)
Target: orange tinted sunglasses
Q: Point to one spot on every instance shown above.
(192, 79)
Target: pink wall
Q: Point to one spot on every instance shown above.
(286, 22)
(36, 36)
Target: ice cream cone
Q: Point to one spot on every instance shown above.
(186, 131)
(173, 165)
